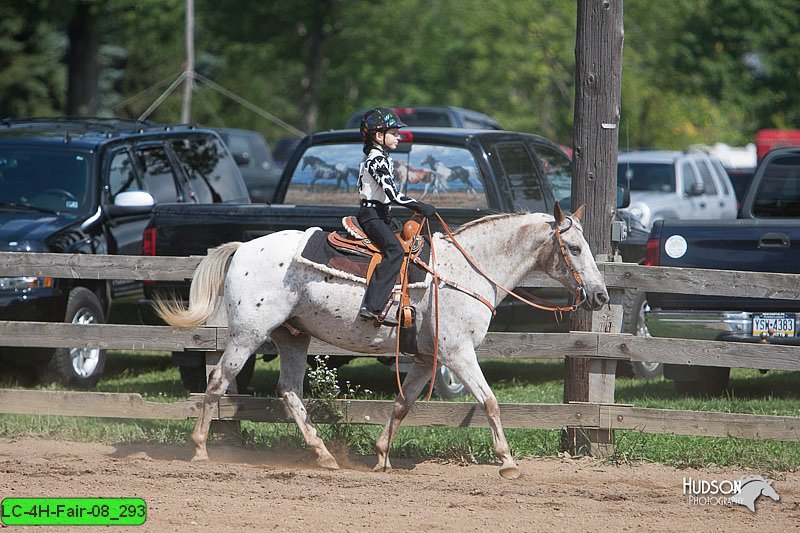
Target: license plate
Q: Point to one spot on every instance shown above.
(775, 324)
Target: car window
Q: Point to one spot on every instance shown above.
(708, 180)
(210, 170)
(722, 174)
(523, 179)
(239, 144)
(157, 175)
(778, 193)
(447, 176)
(326, 175)
(47, 178)
(444, 175)
(426, 118)
(121, 175)
(557, 169)
(689, 177)
(658, 177)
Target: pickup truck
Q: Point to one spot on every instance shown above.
(763, 239)
(466, 173)
(87, 186)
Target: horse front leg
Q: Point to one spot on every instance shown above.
(470, 373)
(293, 352)
(231, 362)
(413, 385)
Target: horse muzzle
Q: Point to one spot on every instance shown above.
(593, 298)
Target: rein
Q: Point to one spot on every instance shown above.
(580, 296)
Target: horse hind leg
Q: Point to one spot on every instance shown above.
(223, 373)
(467, 370)
(413, 385)
(293, 352)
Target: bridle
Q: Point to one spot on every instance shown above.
(581, 294)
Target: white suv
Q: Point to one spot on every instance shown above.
(675, 185)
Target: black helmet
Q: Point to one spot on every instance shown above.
(379, 119)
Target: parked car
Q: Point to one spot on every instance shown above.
(668, 185)
(259, 170)
(439, 116)
(87, 186)
(762, 240)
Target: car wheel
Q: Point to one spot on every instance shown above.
(194, 377)
(79, 367)
(446, 385)
(634, 307)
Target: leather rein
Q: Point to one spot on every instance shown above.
(581, 294)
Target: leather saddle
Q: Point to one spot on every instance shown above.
(356, 242)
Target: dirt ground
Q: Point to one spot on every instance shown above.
(246, 489)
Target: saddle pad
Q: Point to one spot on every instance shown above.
(321, 255)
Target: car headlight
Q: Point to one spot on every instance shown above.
(641, 213)
(24, 283)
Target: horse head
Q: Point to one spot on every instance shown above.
(572, 262)
(429, 160)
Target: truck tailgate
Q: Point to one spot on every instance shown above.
(748, 245)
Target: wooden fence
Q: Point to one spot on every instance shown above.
(603, 347)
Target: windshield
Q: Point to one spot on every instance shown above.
(44, 179)
(652, 177)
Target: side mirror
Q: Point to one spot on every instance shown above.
(623, 195)
(697, 189)
(132, 203)
(242, 159)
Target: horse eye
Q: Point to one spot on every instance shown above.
(575, 250)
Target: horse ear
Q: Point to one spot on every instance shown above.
(558, 214)
(579, 212)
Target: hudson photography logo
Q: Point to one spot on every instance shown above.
(743, 491)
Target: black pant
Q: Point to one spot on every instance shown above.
(378, 224)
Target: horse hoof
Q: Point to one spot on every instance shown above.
(328, 463)
(509, 472)
(380, 467)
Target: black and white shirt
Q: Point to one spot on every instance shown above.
(376, 180)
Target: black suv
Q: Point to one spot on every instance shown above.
(88, 186)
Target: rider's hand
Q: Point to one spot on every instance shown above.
(426, 209)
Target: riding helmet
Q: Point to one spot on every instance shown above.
(379, 119)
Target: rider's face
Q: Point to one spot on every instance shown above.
(389, 139)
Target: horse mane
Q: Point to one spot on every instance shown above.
(488, 218)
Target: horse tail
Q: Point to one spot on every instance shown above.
(208, 278)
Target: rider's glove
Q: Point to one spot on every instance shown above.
(426, 209)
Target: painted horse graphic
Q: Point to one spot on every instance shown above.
(452, 174)
(323, 171)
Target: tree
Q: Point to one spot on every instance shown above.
(83, 61)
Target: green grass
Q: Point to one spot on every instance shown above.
(153, 376)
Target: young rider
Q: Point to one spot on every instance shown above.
(377, 191)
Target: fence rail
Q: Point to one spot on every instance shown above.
(600, 347)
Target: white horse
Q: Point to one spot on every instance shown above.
(266, 287)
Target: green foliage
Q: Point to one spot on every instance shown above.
(694, 71)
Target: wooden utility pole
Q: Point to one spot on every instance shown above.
(188, 80)
(598, 74)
